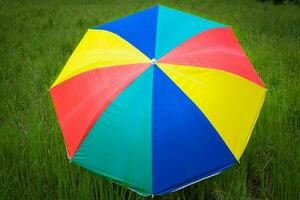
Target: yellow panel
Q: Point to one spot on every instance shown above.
(230, 102)
(97, 49)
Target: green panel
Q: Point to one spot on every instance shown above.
(119, 144)
(175, 27)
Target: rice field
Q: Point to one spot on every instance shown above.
(36, 39)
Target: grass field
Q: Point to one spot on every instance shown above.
(36, 39)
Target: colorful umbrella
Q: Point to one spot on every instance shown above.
(157, 100)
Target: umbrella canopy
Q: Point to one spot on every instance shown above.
(157, 100)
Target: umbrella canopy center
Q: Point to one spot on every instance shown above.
(153, 61)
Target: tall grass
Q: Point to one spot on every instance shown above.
(37, 37)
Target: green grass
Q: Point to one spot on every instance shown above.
(36, 39)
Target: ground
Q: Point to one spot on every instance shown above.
(36, 39)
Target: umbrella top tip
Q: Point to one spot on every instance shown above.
(153, 61)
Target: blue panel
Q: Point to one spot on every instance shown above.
(139, 29)
(175, 27)
(185, 146)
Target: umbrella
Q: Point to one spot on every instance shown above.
(157, 100)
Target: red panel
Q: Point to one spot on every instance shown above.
(215, 48)
(80, 100)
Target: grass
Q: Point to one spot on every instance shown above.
(36, 39)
